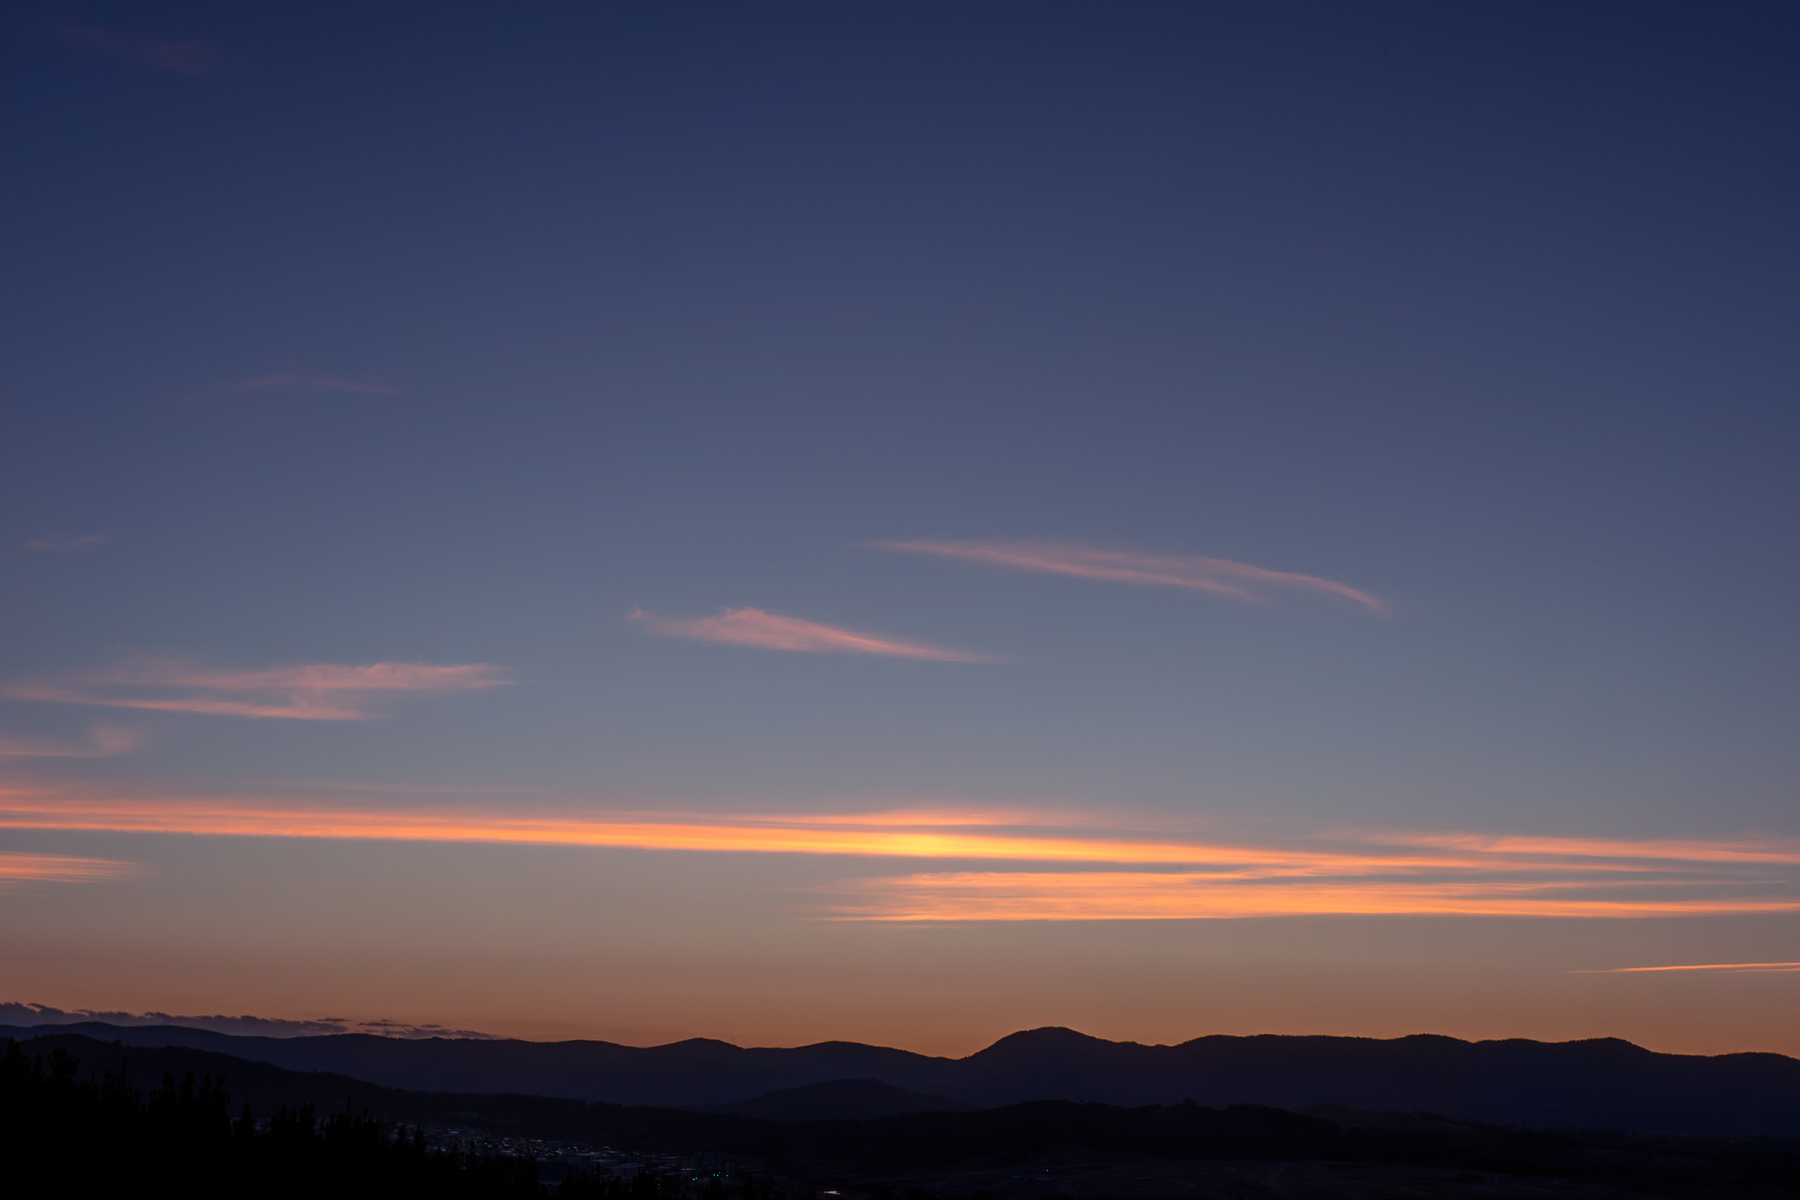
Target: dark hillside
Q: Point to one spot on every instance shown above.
(840, 1100)
(692, 1073)
(64, 1101)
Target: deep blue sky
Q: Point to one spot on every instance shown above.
(434, 334)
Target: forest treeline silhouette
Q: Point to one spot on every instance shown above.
(64, 1134)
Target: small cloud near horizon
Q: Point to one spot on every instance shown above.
(34, 1015)
(311, 692)
(67, 543)
(103, 741)
(1216, 576)
(177, 55)
(298, 381)
(24, 866)
(1723, 967)
(768, 631)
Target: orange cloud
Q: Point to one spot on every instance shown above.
(766, 631)
(19, 867)
(1217, 576)
(1142, 896)
(898, 835)
(1768, 966)
(316, 692)
(1764, 850)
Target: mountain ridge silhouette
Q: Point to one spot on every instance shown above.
(1591, 1083)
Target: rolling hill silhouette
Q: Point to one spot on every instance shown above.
(839, 1100)
(1598, 1083)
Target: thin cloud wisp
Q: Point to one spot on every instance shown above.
(102, 741)
(18, 868)
(295, 381)
(769, 631)
(178, 55)
(1141, 896)
(1725, 968)
(1766, 850)
(1215, 576)
(313, 692)
(68, 543)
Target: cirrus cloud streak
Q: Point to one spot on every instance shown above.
(310, 692)
(1758, 850)
(67, 543)
(1216, 576)
(102, 741)
(769, 631)
(1149, 896)
(297, 381)
(180, 55)
(1728, 968)
(22, 867)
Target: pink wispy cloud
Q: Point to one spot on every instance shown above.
(178, 55)
(67, 543)
(1215, 576)
(102, 741)
(314, 692)
(768, 631)
(21, 867)
(297, 381)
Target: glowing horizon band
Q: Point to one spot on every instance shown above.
(898, 835)
(1416, 873)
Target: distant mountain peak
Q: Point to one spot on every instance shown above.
(699, 1044)
(1047, 1039)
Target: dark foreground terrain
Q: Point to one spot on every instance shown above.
(80, 1117)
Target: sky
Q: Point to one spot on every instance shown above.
(904, 522)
